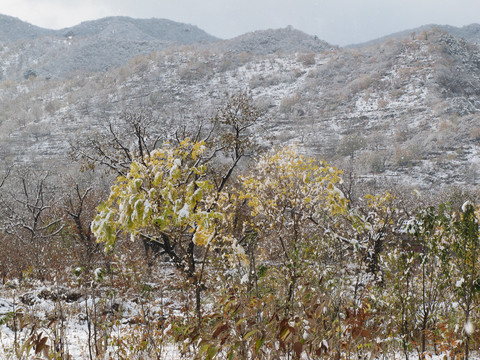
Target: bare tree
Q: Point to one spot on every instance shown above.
(236, 132)
(79, 206)
(132, 135)
(29, 215)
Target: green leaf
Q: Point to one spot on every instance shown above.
(204, 348)
(285, 332)
(241, 321)
(258, 344)
(211, 352)
(250, 333)
(7, 317)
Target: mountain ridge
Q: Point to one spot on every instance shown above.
(13, 29)
(102, 44)
(153, 29)
(469, 32)
(91, 46)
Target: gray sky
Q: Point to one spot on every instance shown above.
(339, 22)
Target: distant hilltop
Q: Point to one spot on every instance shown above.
(288, 40)
(470, 33)
(100, 45)
(13, 29)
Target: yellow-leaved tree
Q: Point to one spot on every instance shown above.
(287, 210)
(294, 200)
(165, 198)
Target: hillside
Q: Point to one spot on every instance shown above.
(402, 112)
(91, 46)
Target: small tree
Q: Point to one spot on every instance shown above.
(295, 203)
(294, 200)
(465, 270)
(167, 199)
(286, 211)
(79, 207)
(431, 278)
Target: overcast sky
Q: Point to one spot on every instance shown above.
(339, 22)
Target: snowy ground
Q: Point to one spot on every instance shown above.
(35, 312)
(42, 316)
(51, 319)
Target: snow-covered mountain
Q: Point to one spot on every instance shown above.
(91, 46)
(404, 111)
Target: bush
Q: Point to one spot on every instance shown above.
(306, 59)
(288, 102)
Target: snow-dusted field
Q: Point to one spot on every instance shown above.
(54, 320)
(64, 318)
